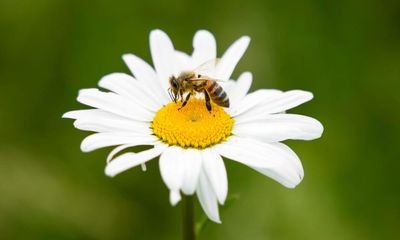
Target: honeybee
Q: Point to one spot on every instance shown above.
(192, 82)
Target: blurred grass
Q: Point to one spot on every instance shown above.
(346, 52)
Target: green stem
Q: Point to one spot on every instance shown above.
(188, 218)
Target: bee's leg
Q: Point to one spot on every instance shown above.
(181, 93)
(186, 100)
(208, 102)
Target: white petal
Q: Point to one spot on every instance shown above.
(143, 166)
(145, 73)
(125, 146)
(275, 103)
(231, 57)
(119, 83)
(183, 61)
(214, 168)
(292, 156)
(236, 149)
(174, 197)
(101, 140)
(289, 183)
(254, 99)
(207, 198)
(204, 47)
(240, 89)
(172, 167)
(272, 160)
(112, 126)
(163, 54)
(130, 160)
(139, 68)
(192, 160)
(229, 86)
(91, 114)
(279, 127)
(114, 103)
(101, 121)
(126, 86)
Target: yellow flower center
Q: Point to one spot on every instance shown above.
(192, 126)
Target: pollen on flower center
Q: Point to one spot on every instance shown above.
(193, 125)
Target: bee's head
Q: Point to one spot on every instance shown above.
(174, 88)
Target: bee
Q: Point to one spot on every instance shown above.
(192, 82)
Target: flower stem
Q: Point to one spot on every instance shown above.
(188, 218)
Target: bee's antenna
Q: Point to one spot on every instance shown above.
(171, 94)
(174, 96)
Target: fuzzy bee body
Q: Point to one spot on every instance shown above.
(191, 82)
(216, 93)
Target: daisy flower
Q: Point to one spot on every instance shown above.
(191, 142)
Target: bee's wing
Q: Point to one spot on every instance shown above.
(208, 67)
(204, 78)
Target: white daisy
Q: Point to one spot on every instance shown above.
(191, 142)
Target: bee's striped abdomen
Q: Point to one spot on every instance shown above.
(217, 94)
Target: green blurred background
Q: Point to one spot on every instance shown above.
(346, 52)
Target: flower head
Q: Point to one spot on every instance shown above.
(190, 141)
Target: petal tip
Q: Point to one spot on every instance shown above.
(103, 81)
(202, 33)
(84, 147)
(246, 75)
(310, 95)
(216, 220)
(246, 38)
(174, 197)
(66, 115)
(109, 171)
(157, 33)
(318, 130)
(244, 41)
(294, 182)
(126, 56)
(307, 95)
